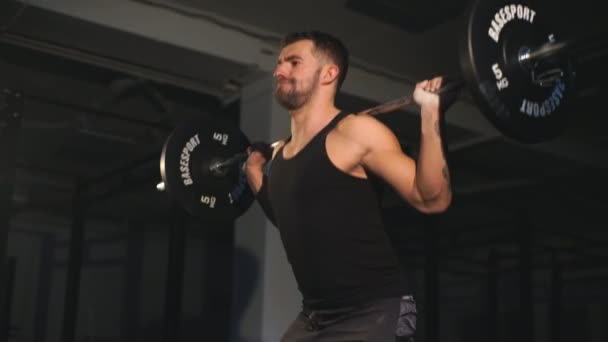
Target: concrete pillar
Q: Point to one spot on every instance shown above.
(266, 299)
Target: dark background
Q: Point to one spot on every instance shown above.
(95, 253)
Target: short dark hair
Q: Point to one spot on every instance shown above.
(325, 43)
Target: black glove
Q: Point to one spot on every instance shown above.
(263, 148)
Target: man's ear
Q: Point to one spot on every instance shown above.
(330, 73)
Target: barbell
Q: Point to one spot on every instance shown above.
(517, 70)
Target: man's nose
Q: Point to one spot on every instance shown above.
(280, 72)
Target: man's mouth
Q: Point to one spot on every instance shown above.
(282, 81)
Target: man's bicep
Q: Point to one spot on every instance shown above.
(397, 169)
(384, 157)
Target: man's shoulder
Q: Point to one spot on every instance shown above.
(276, 146)
(360, 126)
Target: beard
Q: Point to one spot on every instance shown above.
(293, 98)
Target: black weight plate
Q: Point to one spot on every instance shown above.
(505, 89)
(184, 166)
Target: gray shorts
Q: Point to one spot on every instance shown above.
(384, 320)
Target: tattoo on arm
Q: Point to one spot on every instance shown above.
(446, 173)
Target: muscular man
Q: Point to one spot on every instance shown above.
(318, 194)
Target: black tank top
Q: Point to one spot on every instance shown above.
(331, 227)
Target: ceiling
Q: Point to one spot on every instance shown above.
(102, 95)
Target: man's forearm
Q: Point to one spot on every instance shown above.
(255, 178)
(258, 182)
(432, 173)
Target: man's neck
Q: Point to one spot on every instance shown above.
(307, 121)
